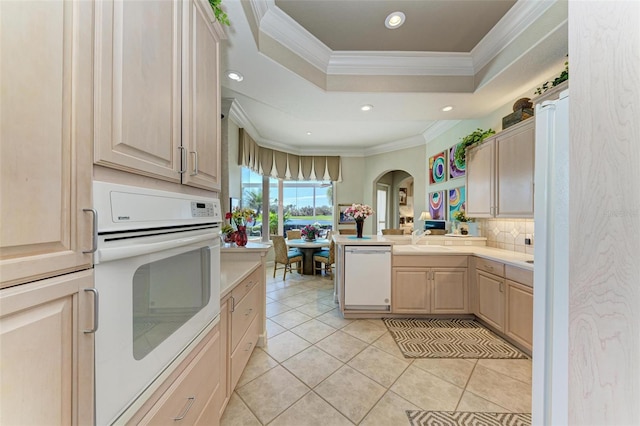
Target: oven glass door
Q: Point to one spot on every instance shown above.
(156, 295)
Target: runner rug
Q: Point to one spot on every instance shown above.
(446, 418)
(448, 338)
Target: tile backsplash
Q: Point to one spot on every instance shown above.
(508, 234)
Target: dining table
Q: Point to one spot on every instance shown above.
(308, 248)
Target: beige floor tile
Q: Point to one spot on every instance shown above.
(387, 344)
(285, 345)
(275, 308)
(426, 390)
(456, 371)
(341, 345)
(274, 329)
(367, 331)
(312, 366)
(313, 331)
(238, 414)
(378, 365)
(311, 410)
(519, 369)
(328, 300)
(350, 392)
(290, 318)
(503, 390)
(334, 319)
(314, 309)
(258, 364)
(389, 411)
(281, 294)
(472, 402)
(272, 393)
(300, 299)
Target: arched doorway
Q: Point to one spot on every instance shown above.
(394, 201)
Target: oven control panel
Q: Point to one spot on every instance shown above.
(200, 209)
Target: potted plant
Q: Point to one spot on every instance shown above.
(241, 218)
(220, 15)
(470, 227)
(358, 212)
(472, 139)
(228, 232)
(310, 232)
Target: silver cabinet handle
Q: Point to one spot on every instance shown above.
(190, 402)
(246, 314)
(94, 242)
(249, 284)
(501, 287)
(249, 347)
(195, 163)
(489, 267)
(183, 160)
(96, 304)
(233, 304)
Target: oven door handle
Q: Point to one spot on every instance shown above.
(115, 253)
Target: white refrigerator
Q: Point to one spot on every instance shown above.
(551, 267)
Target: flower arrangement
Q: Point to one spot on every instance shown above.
(359, 212)
(241, 217)
(460, 216)
(310, 232)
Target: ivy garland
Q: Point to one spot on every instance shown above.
(220, 15)
(474, 138)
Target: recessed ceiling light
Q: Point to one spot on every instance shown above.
(308, 133)
(394, 20)
(235, 75)
(447, 108)
(366, 107)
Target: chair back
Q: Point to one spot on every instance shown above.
(294, 234)
(329, 235)
(347, 232)
(280, 249)
(332, 253)
(393, 231)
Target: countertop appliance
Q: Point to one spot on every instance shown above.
(551, 254)
(157, 273)
(367, 278)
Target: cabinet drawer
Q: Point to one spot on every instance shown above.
(241, 354)
(431, 261)
(242, 315)
(246, 285)
(491, 266)
(520, 275)
(519, 313)
(189, 393)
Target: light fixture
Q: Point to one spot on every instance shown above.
(235, 75)
(308, 133)
(447, 108)
(366, 107)
(425, 216)
(394, 20)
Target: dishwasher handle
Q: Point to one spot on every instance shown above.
(368, 251)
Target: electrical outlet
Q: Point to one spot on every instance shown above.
(528, 239)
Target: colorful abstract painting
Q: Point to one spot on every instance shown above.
(438, 167)
(456, 168)
(456, 200)
(436, 205)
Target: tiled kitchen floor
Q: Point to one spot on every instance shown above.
(320, 369)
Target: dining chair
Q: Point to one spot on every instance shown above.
(347, 232)
(393, 231)
(285, 256)
(294, 234)
(326, 258)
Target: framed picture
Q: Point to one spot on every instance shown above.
(456, 200)
(456, 169)
(402, 196)
(438, 167)
(343, 218)
(233, 203)
(437, 205)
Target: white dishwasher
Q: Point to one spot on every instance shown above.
(367, 278)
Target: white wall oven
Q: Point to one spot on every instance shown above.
(157, 272)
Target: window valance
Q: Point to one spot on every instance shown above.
(271, 162)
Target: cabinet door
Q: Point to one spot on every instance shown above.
(480, 179)
(201, 96)
(491, 299)
(519, 313)
(450, 292)
(46, 358)
(410, 291)
(138, 87)
(515, 172)
(46, 133)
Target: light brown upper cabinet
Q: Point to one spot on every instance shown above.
(46, 132)
(500, 174)
(157, 90)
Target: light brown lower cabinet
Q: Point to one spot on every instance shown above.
(491, 299)
(46, 352)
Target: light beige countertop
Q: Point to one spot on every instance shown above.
(251, 246)
(367, 240)
(231, 273)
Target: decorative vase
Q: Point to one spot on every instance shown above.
(310, 239)
(359, 226)
(241, 236)
(230, 237)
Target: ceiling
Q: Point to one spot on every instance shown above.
(309, 65)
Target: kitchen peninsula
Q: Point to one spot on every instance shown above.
(445, 276)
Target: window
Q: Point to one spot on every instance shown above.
(301, 203)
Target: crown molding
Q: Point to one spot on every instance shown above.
(410, 142)
(438, 128)
(400, 63)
